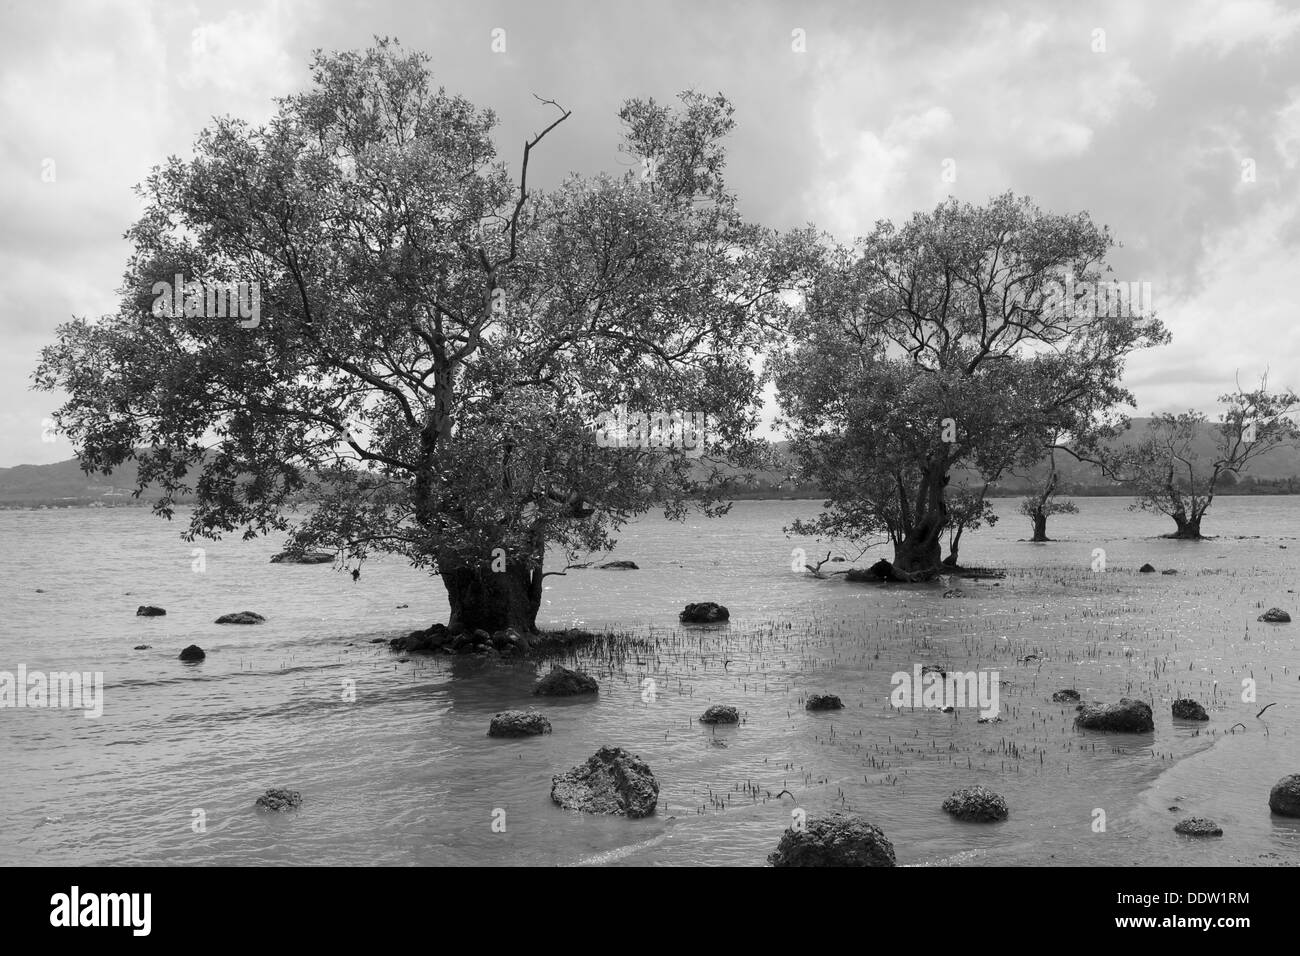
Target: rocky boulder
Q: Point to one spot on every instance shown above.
(1146, 569)
(1187, 709)
(149, 610)
(1065, 697)
(192, 653)
(1284, 798)
(278, 800)
(303, 557)
(1128, 716)
(612, 781)
(562, 682)
(706, 612)
(1275, 615)
(720, 714)
(1198, 826)
(241, 617)
(823, 702)
(833, 838)
(978, 804)
(619, 566)
(518, 723)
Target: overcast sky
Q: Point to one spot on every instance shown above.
(1148, 115)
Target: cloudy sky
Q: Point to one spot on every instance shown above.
(1177, 124)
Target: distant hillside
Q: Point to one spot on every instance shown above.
(63, 484)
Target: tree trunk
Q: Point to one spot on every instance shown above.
(1040, 527)
(1189, 528)
(919, 552)
(483, 599)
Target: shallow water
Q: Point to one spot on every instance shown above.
(406, 775)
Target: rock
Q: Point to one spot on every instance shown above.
(149, 610)
(1187, 709)
(1198, 826)
(933, 669)
(518, 723)
(989, 720)
(377, 640)
(1284, 798)
(612, 781)
(1275, 615)
(618, 566)
(427, 641)
(143, 647)
(192, 653)
(562, 682)
(1169, 571)
(720, 714)
(833, 838)
(977, 803)
(241, 617)
(1065, 696)
(1127, 716)
(275, 799)
(1146, 569)
(823, 702)
(947, 710)
(705, 612)
(303, 557)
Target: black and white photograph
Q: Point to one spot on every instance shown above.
(610, 436)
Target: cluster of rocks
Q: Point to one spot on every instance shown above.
(458, 639)
(1066, 697)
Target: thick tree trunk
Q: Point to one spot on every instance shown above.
(1188, 527)
(483, 599)
(1040, 527)
(919, 552)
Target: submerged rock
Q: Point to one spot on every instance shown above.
(933, 669)
(1146, 569)
(518, 723)
(978, 804)
(191, 653)
(149, 610)
(1198, 826)
(562, 682)
(275, 799)
(143, 647)
(241, 617)
(303, 557)
(427, 641)
(1284, 798)
(720, 714)
(1169, 571)
(706, 612)
(1065, 696)
(612, 781)
(1275, 615)
(823, 702)
(833, 838)
(619, 566)
(1127, 716)
(1187, 709)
